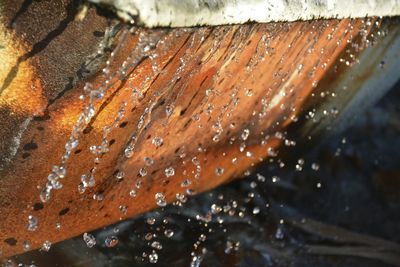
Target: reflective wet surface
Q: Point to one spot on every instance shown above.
(335, 203)
(131, 119)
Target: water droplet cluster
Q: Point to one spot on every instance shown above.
(221, 124)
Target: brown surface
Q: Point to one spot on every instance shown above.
(263, 58)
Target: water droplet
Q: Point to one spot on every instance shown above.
(234, 160)
(143, 172)
(228, 247)
(231, 246)
(219, 171)
(181, 197)
(260, 178)
(215, 209)
(196, 261)
(45, 194)
(169, 109)
(216, 138)
(186, 183)
(160, 200)
(195, 161)
(132, 193)
(148, 161)
(151, 221)
(275, 179)
(256, 210)
(169, 233)
(128, 151)
(46, 246)
(202, 237)
(87, 88)
(81, 188)
(60, 171)
(111, 241)
(242, 147)
(89, 239)
(71, 144)
(98, 196)
(54, 183)
(32, 223)
(157, 141)
(245, 134)
(88, 113)
(120, 175)
(26, 246)
(88, 180)
(170, 171)
(148, 236)
(279, 233)
(153, 257)
(96, 94)
(123, 209)
(157, 245)
(249, 92)
(315, 166)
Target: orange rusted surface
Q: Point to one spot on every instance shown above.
(253, 77)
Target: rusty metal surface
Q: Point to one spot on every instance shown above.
(253, 77)
(44, 53)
